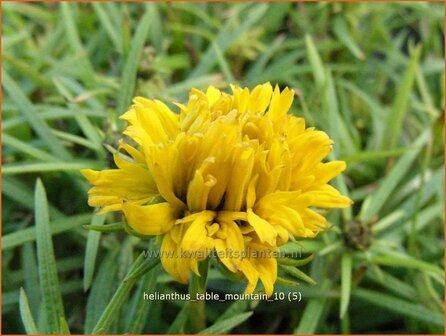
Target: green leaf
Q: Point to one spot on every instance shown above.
(112, 30)
(27, 168)
(226, 325)
(375, 155)
(31, 276)
(101, 290)
(392, 303)
(341, 31)
(197, 285)
(297, 273)
(223, 63)
(406, 262)
(49, 283)
(34, 119)
(393, 283)
(130, 69)
(78, 140)
(387, 185)
(227, 36)
(346, 282)
(395, 120)
(236, 308)
(87, 128)
(75, 42)
(91, 251)
(29, 234)
(295, 262)
(143, 267)
(139, 307)
(286, 282)
(317, 66)
(177, 326)
(120, 296)
(25, 313)
(115, 227)
(27, 149)
(313, 311)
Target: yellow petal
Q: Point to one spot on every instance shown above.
(112, 187)
(260, 98)
(251, 274)
(280, 105)
(324, 172)
(153, 219)
(328, 197)
(212, 95)
(267, 268)
(171, 260)
(230, 250)
(195, 237)
(264, 230)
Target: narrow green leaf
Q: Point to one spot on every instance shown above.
(115, 227)
(407, 262)
(26, 69)
(313, 311)
(224, 66)
(375, 155)
(139, 307)
(48, 112)
(286, 282)
(295, 262)
(387, 185)
(394, 284)
(143, 267)
(78, 140)
(197, 285)
(87, 127)
(227, 325)
(57, 226)
(177, 326)
(111, 29)
(91, 250)
(118, 298)
(228, 35)
(339, 129)
(315, 62)
(27, 149)
(392, 303)
(101, 290)
(346, 282)
(49, 282)
(425, 94)
(128, 79)
(25, 313)
(263, 59)
(11, 169)
(341, 31)
(31, 276)
(11, 299)
(75, 42)
(18, 191)
(236, 308)
(297, 273)
(395, 120)
(34, 119)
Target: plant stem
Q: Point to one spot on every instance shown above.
(197, 286)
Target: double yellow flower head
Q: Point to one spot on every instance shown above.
(233, 174)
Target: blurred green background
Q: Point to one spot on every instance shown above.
(369, 74)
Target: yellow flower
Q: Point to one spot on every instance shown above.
(231, 174)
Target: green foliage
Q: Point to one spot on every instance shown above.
(369, 74)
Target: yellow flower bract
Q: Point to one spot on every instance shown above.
(235, 174)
